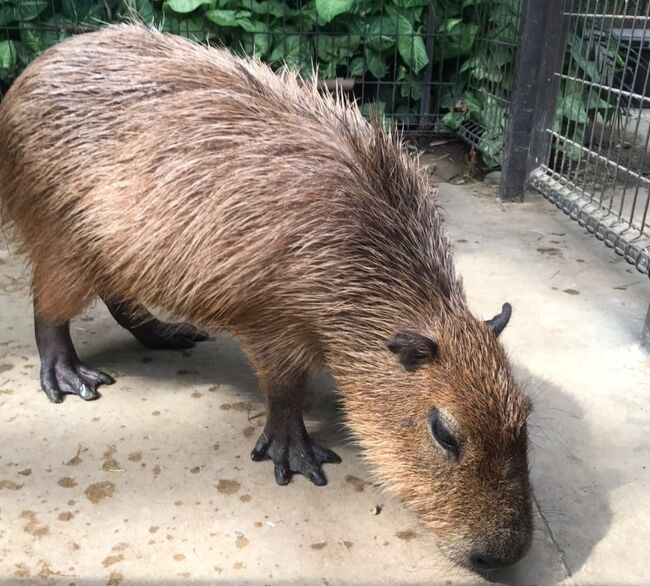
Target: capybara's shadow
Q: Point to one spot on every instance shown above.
(571, 500)
(561, 455)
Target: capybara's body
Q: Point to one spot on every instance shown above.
(140, 167)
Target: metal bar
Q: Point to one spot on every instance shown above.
(645, 336)
(425, 102)
(534, 93)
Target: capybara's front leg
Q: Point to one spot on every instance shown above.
(151, 332)
(62, 373)
(285, 439)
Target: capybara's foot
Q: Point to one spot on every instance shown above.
(293, 452)
(67, 376)
(161, 336)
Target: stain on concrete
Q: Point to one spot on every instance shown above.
(238, 566)
(241, 542)
(407, 535)
(550, 251)
(249, 432)
(195, 470)
(22, 571)
(67, 482)
(227, 486)
(245, 498)
(32, 527)
(242, 406)
(179, 557)
(65, 516)
(114, 579)
(135, 456)
(347, 544)
(196, 395)
(110, 464)
(112, 559)
(153, 529)
(319, 545)
(6, 367)
(99, 491)
(10, 485)
(76, 459)
(571, 291)
(358, 483)
(156, 470)
(25, 472)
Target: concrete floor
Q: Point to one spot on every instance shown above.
(153, 484)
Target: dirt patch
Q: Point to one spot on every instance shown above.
(156, 470)
(407, 535)
(227, 486)
(179, 557)
(110, 463)
(99, 491)
(112, 559)
(196, 395)
(10, 485)
(249, 432)
(114, 579)
(65, 516)
(358, 483)
(135, 456)
(25, 472)
(571, 291)
(121, 546)
(67, 482)
(245, 498)
(6, 367)
(241, 542)
(21, 571)
(153, 529)
(319, 545)
(75, 460)
(550, 252)
(242, 406)
(32, 527)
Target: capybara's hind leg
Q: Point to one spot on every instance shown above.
(151, 332)
(285, 439)
(61, 370)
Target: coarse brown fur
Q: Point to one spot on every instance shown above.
(140, 166)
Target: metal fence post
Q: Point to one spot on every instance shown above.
(540, 54)
(425, 105)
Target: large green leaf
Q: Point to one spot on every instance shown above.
(257, 39)
(8, 54)
(329, 9)
(143, 9)
(185, 6)
(376, 64)
(381, 33)
(409, 43)
(268, 7)
(83, 11)
(235, 18)
(21, 10)
(336, 47)
(292, 49)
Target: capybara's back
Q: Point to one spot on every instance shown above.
(152, 172)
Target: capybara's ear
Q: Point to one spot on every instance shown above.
(413, 349)
(498, 323)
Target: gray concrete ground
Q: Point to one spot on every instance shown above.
(153, 484)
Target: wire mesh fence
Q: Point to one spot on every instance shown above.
(597, 168)
(433, 66)
(557, 91)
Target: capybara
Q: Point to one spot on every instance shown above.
(152, 172)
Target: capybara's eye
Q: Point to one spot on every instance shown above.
(442, 433)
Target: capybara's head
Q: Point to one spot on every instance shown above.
(451, 438)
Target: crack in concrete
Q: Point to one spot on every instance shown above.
(561, 552)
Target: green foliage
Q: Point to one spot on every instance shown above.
(382, 43)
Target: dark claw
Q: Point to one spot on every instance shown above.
(53, 395)
(282, 473)
(96, 376)
(317, 477)
(259, 451)
(201, 336)
(86, 392)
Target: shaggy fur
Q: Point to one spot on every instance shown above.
(137, 165)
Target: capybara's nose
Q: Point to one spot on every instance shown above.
(482, 561)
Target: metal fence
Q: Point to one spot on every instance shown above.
(597, 167)
(556, 91)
